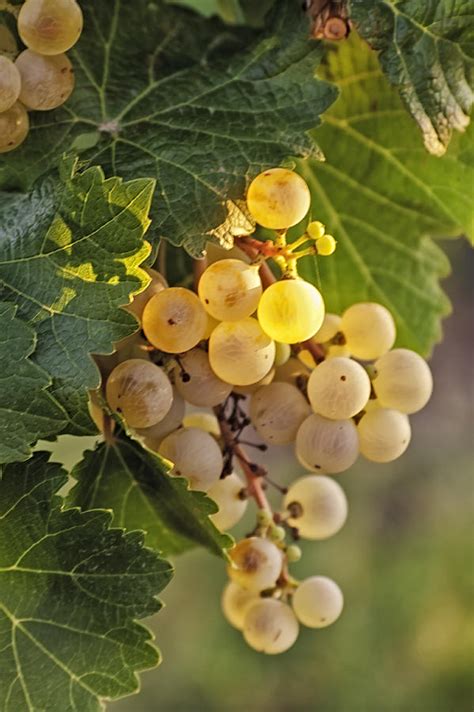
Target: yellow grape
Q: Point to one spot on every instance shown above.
(174, 320)
(291, 311)
(324, 445)
(226, 493)
(369, 330)
(403, 381)
(282, 354)
(195, 455)
(326, 245)
(10, 83)
(384, 434)
(203, 421)
(293, 371)
(50, 26)
(235, 602)
(270, 626)
(253, 388)
(14, 127)
(255, 564)
(328, 329)
(277, 412)
(240, 353)
(338, 388)
(317, 505)
(230, 289)
(278, 198)
(201, 387)
(46, 82)
(318, 602)
(155, 434)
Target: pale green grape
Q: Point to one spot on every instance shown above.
(10, 83)
(384, 434)
(195, 455)
(140, 391)
(291, 310)
(318, 602)
(50, 26)
(174, 320)
(240, 353)
(46, 82)
(403, 381)
(326, 245)
(230, 289)
(329, 328)
(278, 198)
(154, 435)
(277, 412)
(338, 388)
(203, 421)
(282, 354)
(235, 602)
(157, 284)
(226, 492)
(270, 626)
(14, 127)
(369, 330)
(317, 505)
(255, 564)
(200, 385)
(324, 445)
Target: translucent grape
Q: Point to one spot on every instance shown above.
(403, 381)
(14, 127)
(282, 354)
(154, 435)
(315, 229)
(337, 351)
(256, 564)
(369, 330)
(278, 198)
(384, 434)
(10, 83)
(277, 412)
(157, 284)
(195, 455)
(226, 493)
(338, 388)
(293, 371)
(326, 245)
(253, 388)
(203, 421)
(211, 325)
(240, 353)
(174, 320)
(329, 328)
(324, 445)
(270, 626)
(318, 506)
(140, 391)
(198, 384)
(230, 289)
(46, 82)
(318, 602)
(235, 602)
(50, 26)
(291, 310)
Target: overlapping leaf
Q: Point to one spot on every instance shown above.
(71, 590)
(134, 483)
(427, 51)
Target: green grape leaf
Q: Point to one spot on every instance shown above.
(71, 589)
(69, 257)
(381, 195)
(27, 411)
(188, 102)
(134, 483)
(427, 51)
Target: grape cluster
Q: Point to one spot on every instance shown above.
(256, 351)
(41, 77)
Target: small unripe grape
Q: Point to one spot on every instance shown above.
(201, 387)
(326, 245)
(226, 492)
(403, 381)
(369, 330)
(318, 602)
(240, 353)
(195, 455)
(174, 320)
(329, 328)
(270, 626)
(282, 354)
(235, 601)
(14, 127)
(10, 83)
(46, 82)
(154, 435)
(324, 445)
(338, 388)
(291, 311)
(384, 434)
(140, 391)
(203, 421)
(293, 553)
(50, 26)
(230, 289)
(315, 229)
(277, 412)
(317, 505)
(157, 284)
(256, 564)
(278, 198)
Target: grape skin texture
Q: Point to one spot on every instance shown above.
(324, 445)
(277, 412)
(329, 328)
(384, 434)
(338, 388)
(225, 492)
(154, 435)
(230, 289)
(369, 330)
(235, 602)
(323, 504)
(318, 602)
(240, 353)
(140, 391)
(256, 564)
(282, 354)
(403, 381)
(174, 320)
(195, 455)
(157, 284)
(14, 127)
(292, 371)
(278, 198)
(270, 626)
(50, 26)
(203, 421)
(10, 83)
(46, 82)
(291, 311)
(253, 388)
(204, 388)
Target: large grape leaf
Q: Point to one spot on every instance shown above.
(69, 256)
(381, 194)
(71, 590)
(134, 483)
(27, 411)
(427, 51)
(160, 93)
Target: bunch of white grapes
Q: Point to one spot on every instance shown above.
(332, 386)
(40, 77)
